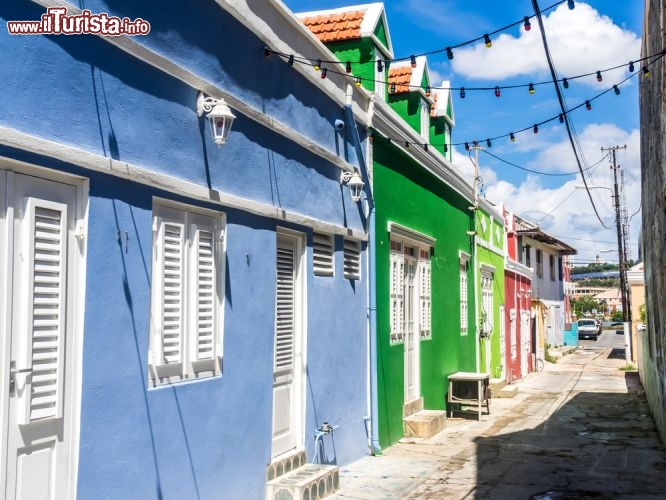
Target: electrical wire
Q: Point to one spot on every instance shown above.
(560, 98)
(539, 172)
(556, 207)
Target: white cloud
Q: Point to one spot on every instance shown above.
(580, 40)
(566, 211)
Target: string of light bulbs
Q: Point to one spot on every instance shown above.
(392, 87)
(535, 127)
(525, 21)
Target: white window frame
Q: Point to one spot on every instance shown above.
(464, 293)
(425, 120)
(201, 228)
(403, 243)
(488, 318)
(380, 76)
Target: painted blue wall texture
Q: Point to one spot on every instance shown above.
(209, 438)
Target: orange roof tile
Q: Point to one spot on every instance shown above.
(336, 27)
(401, 76)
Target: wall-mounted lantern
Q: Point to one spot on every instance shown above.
(219, 116)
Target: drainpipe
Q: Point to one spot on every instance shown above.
(375, 448)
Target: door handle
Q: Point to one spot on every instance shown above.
(12, 375)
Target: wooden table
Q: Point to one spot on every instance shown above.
(469, 388)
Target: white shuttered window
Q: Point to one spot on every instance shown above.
(397, 293)
(352, 260)
(323, 253)
(186, 310)
(424, 294)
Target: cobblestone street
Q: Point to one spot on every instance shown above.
(579, 429)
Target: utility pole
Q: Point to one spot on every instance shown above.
(621, 246)
(475, 253)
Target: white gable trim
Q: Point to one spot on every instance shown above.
(97, 163)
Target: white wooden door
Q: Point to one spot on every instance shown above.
(41, 266)
(288, 363)
(412, 389)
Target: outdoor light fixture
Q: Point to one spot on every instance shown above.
(487, 41)
(526, 23)
(354, 183)
(219, 115)
(449, 53)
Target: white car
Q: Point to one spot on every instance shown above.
(588, 328)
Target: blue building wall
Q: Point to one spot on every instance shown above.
(209, 438)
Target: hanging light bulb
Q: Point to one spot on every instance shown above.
(425, 146)
(324, 71)
(389, 140)
(358, 81)
(449, 53)
(535, 129)
(412, 61)
(487, 41)
(317, 65)
(631, 66)
(427, 91)
(462, 92)
(616, 89)
(488, 143)
(599, 77)
(406, 144)
(497, 92)
(571, 4)
(380, 66)
(392, 89)
(561, 118)
(565, 83)
(512, 137)
(526, 23)
(348, 67)
(290, 61)
(446, 148)
(646, 71)
(467, 146)
(588, 106)
(267, 52)
(530, 89)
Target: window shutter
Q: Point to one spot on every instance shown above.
(397, 296)
(172, 267)
(322, 254)
(463, 299)
(205, 294)
(47, 256)
(424, 297)
(352, 260)
(285, 314)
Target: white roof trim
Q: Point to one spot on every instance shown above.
(443, 101)
(410, 234)
(464, 257)
(416, 77)
(487, 267)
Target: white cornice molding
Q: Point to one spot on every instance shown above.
(96, 163)
(336, 86)
(518, 268)
(409, 234)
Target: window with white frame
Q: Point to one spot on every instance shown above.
(487, 301)
(422, 298)
(424, 294)
(464, 307)
(352, 259)
(425, 120)
(380, 76)
(186, 293)
(397, 292)
(323, 261)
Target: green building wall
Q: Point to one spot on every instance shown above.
(490, 251)
(408, 195)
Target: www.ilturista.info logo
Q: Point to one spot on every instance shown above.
(56, 22)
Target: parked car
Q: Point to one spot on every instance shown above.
(588, 328)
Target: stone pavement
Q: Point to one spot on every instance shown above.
(580, 429)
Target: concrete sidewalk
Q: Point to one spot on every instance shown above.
(579, 429)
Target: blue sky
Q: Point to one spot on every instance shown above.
(594, 36)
